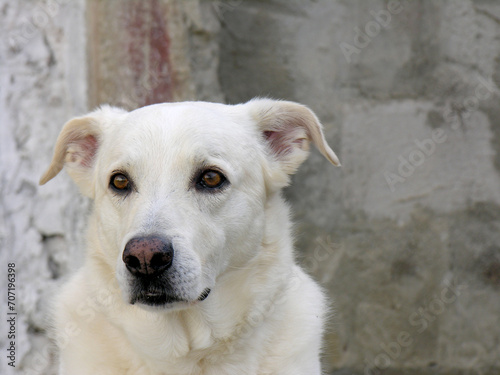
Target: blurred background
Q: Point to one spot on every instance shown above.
(405, 237)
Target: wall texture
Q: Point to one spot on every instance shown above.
(43, 83)
(405, 237)
(59, 59)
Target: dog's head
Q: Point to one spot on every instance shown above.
(180, 189)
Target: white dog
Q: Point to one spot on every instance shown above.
(190, 266)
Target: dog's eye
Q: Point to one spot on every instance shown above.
(120, 182)
(211, 179)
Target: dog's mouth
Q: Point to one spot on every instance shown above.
(162, 298)
(155, 299)
(203, 296)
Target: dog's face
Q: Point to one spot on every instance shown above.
(180, 189)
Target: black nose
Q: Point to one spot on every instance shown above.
(148, 256)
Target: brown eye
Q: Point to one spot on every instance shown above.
(211, 179)
(120, 182)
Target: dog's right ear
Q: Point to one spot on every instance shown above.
(77, 146)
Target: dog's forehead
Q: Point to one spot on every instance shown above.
(172, 114)
(184, 130)
(188, 118)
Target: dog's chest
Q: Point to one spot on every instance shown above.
(188, 346)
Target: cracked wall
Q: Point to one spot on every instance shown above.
(60, 59)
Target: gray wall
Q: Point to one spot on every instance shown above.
(404, 237)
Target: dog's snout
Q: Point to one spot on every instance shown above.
(148, 256)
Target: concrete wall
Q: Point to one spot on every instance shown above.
(404, 237)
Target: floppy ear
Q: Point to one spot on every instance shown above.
(288, 128)
(77, 146)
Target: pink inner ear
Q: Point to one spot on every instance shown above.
(89, 147)
(282, 142)
(277, 143)
(85, 150)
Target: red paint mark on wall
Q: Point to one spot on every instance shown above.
(148, 45)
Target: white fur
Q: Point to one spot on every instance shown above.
(264, 315)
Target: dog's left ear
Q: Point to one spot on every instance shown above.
(77, 146)
(288, 128)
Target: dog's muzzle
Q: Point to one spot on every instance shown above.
(148, 259)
